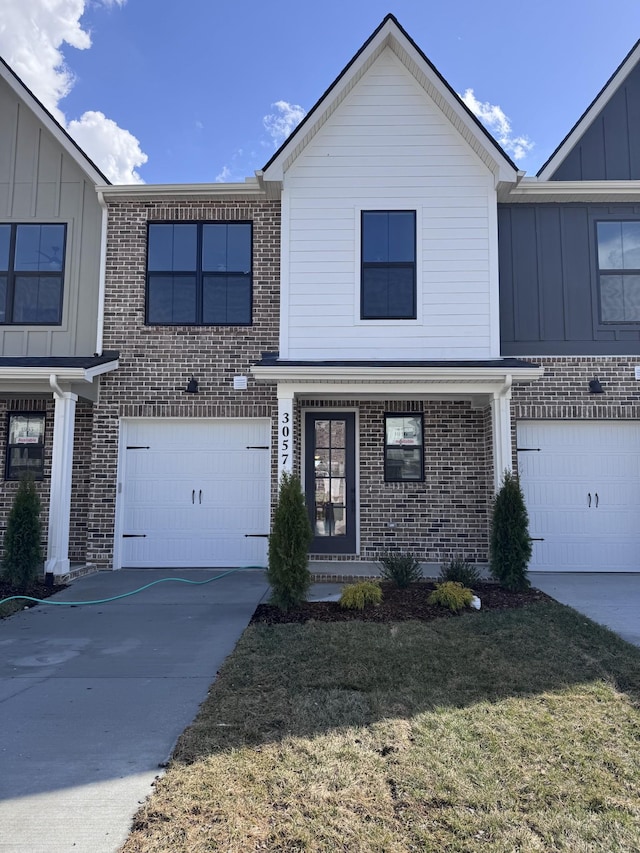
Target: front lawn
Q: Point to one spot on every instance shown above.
(504, 731)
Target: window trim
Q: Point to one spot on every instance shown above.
(612, 218)
(420, 416)
(199, 273)
(389, 264)
(12, 274)
(40, 414)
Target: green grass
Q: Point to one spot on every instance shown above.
(511, 731)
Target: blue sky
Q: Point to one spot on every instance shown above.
(189, 84)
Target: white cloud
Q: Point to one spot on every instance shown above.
(280, 123)
(224, 175)
(33, 34)
(499, 125)
(114, 149)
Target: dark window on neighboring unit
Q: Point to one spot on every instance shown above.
(403, 448)
(199, 273)
(388, 274)
(619, 271)
(31, 274)
(25, 445)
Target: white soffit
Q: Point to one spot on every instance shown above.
(531, 190)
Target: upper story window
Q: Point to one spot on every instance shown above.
(199, 273)
(619, 271)
(388, 273)
(31, 273)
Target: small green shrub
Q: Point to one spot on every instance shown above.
(452, 595)
(400, 569)
(22, 550)
(288, 570)
(460, 571)
(356, 596)
(510, 543)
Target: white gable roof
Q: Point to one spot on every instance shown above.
(54, 127)
(390, 34)
(591, 113)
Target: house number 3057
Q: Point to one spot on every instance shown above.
(285, 438)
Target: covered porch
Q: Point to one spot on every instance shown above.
(396, 455)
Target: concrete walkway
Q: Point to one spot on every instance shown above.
(609, 599)
(94, 698)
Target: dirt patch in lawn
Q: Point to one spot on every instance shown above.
(397, 605)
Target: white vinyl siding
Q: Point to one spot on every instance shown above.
(388, 147)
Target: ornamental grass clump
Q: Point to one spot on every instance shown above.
(356, 596)
(400, 569)
(288, 570)
(510, 543)
(451, 595)
(460, 571)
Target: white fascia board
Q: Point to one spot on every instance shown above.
(250, 188)
(591, 114)
(44, 116)
(389, 35)
(63, 374)
(532, 190)
(397, 376)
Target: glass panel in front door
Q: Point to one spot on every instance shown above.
(330, 478)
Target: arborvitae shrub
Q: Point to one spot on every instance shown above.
(452, 595)
(22, 559)
(400, 569)
(288, 571)
(357, 595)
(510, 544)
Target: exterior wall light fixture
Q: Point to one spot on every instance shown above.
(192, 386)
(595, 387)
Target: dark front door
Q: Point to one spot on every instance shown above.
(330, 471)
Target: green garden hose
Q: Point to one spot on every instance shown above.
(126, 594)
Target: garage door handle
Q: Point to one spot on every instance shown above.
(200, 496)
(589, 497)
(597, 500)
(193, 496)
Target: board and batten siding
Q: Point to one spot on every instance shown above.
(40, 182)
(387, 146)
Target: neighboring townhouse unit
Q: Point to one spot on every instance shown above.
(389, 308)
(51, 356)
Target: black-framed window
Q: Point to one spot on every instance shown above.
(388, 265)
(619, 270)
(31, 273)
(199, 273)
(403, 448)
(25, 445)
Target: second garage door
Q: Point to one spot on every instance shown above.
(581, 482)
(194, 493)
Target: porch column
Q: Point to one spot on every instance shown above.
(285, 429)
(501, 427)
(60, 497)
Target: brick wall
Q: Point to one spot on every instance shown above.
(156, 362)
(447, 514)
(80, 475)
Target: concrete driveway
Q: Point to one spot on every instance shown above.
(93, 699)
(607, 598)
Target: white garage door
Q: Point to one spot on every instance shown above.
(194, 493)
(581, 482)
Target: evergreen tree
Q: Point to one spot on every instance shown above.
(510, 544)
(288, 571)
(22, 559)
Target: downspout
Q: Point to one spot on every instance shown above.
(57, 390)
(102, 273)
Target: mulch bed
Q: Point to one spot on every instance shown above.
(36, 590)
(397, 605)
